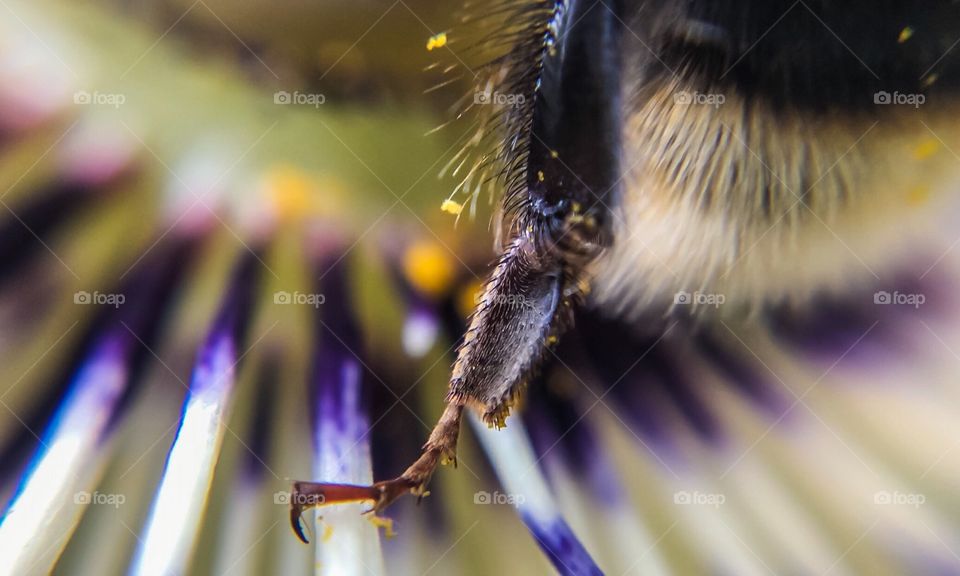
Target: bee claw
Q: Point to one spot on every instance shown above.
(306, 495)
(296, 522)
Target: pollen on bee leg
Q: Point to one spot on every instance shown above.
(497, 418)
(383, 522)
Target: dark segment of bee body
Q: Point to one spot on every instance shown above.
(574, 158)
(600, 58)
(562, 222)
(599, 61)
(806, 56)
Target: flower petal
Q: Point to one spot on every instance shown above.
(346, 542)
(177, 511)
(513, 459)
(58, 484)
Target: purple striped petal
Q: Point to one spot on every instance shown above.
(177, 510)
(56, 487)
(513, 459)
(346, 542)
(57, 476)
(238, 549)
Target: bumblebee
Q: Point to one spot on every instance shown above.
(749, 153)
(716, 332)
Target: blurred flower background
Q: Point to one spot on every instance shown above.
(224, 266)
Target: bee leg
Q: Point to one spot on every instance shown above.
(527, 304)
(307, 495)
(440, 448)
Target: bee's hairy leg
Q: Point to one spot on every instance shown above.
(556, 225)
(440, 448)
(527, 304)
(307, 495)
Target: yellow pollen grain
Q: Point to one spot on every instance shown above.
(452, 207)
(428, 268)
(385, 523)
(327, 533)
(905, 34)
(926, 149)
(437, 41)
(540, 175)
(929, 80)
(554, 154)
